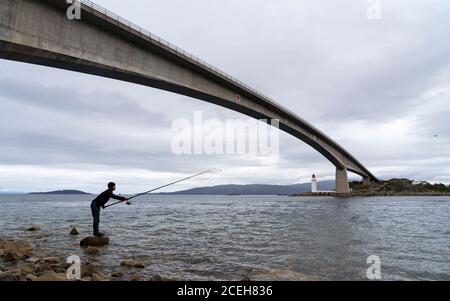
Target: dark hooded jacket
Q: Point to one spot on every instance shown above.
(104, 197)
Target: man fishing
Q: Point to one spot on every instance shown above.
(103, 198)
(100, 202)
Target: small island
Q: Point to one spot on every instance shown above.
(62, 192)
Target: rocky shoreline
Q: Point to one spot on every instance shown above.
(20, 262)
(29, 259)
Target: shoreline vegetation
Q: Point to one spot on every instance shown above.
(392, 187)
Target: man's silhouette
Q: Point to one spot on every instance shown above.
(100, 202)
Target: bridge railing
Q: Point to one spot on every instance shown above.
(184, 54)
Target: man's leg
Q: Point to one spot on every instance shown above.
(96, 216)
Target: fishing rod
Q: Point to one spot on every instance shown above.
(164, 186)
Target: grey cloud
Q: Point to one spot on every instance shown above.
(98, 104)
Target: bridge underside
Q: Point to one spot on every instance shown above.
(38, 32)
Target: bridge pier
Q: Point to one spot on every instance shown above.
(342, 185)
(366, 181)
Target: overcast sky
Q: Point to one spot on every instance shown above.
(380, 88)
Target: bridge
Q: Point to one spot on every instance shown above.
(102, 43)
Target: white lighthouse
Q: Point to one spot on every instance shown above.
(314, 184)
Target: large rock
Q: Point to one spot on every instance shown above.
(15, 250)
(132, 264)
(18, 246)
(94, 241)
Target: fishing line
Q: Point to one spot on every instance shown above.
(164, 186)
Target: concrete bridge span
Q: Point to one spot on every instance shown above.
(101, 43)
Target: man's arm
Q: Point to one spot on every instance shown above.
(116, 197)
(119, 198)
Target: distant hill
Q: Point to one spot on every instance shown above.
(61, 192)
(254, 189)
